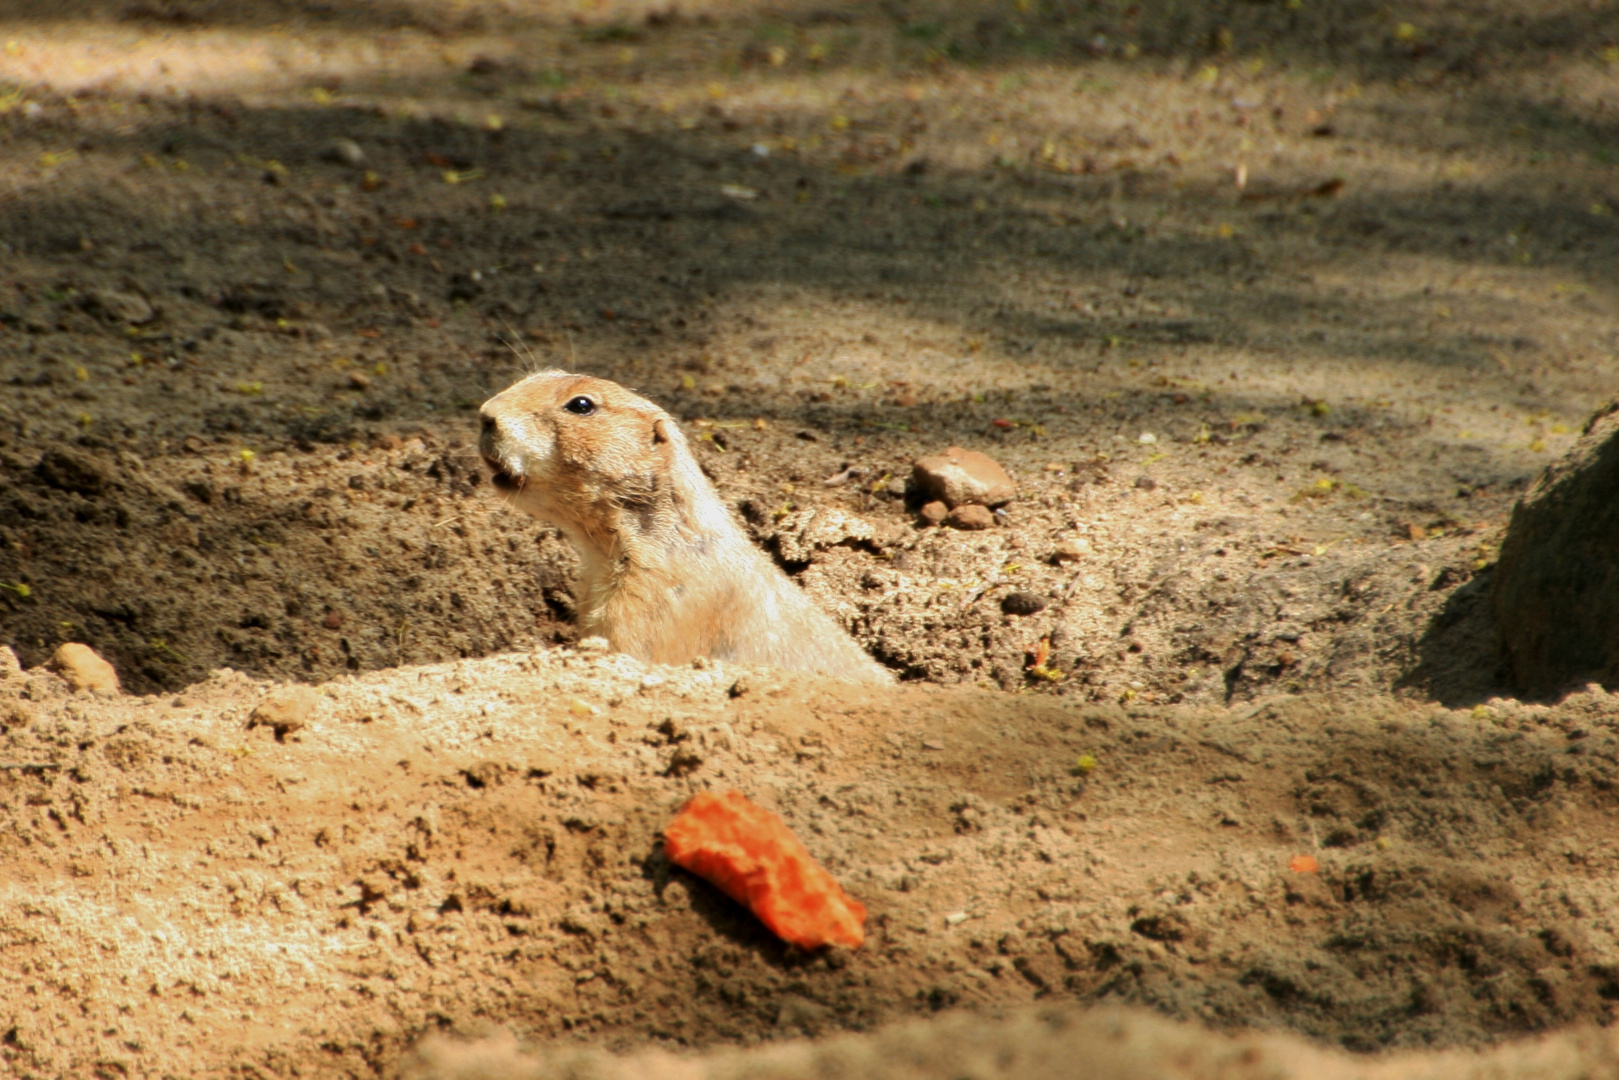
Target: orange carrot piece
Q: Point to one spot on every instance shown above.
(1303, 864)
(754, 858)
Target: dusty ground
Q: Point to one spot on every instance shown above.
(1274, 307)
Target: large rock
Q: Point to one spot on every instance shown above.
(958, 477)
(1555, 597)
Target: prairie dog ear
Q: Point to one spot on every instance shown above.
(660, 431)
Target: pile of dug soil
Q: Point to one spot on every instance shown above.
(207, 882)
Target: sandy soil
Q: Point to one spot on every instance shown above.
(472, 845)
(1274, 308)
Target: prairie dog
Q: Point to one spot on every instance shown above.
(668, 575)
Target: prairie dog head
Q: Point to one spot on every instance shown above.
(577, 451)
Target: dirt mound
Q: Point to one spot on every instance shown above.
(1555, 595)
(191, 887)
(303, 566)
(1114, 1044)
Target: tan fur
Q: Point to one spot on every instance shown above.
(668, 575)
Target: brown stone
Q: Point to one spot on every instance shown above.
(1023, 603)
(1071, 550)
(958, 477)
(970, 516)
(1555, 593)
(934, 513)
(84, 669)
(286, 711)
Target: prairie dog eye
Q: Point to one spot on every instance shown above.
(580, 406)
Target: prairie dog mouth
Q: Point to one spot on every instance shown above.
(502, 478)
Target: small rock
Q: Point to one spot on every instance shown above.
(957, 477)
(970, 516)
(287, 711)
(895, 489)
(359, 380)
(593, 644)
(741, 686)
(69, 470)
(333, 620)
(10, 666)
(84, 669)
(344, 152)
(1023, 603)
(115, 306)
(1146, 483)
(932, 744)
(1071, 550)
(934, 513)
